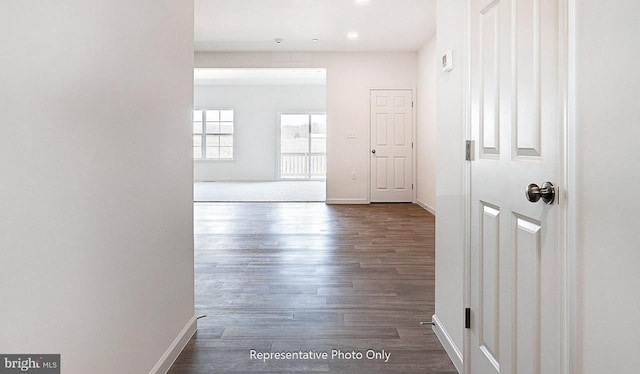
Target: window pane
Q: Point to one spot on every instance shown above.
(213, 115)
(318, 123)
(197, 127)
(226, 128)
(213, 140)
(318, 145)
(226, 115)
(294, 133)
(226, 140)
(197, 115)
(213, 152)
(197, 140)
(197, 152)
(294, 120)
(213, 127)
(318, 133)
(226, 152)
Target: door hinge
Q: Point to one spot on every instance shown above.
(468, 150)
(467, 318)
(412, 104)
(412, 145)
(412, 186)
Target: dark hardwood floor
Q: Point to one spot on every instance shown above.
(292, 277)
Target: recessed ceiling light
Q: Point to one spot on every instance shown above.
(362, 2)
(314, 40)
(278, 41)
(353, 35)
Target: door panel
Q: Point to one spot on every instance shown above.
(381, 173)
(381, 129)
(391, 139)
(490, 297)
(400, 175)
(489, 52)
(527, 288)
(400, 123)
(515, 119)
(527, 123)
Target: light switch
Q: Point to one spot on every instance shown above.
(351, 134)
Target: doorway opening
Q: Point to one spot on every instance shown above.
(260, 134)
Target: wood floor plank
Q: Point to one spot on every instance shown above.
(285, 277)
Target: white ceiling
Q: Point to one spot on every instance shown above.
(252, 25)
(215, 76)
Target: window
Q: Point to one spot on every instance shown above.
(213, 134)
(303, 146)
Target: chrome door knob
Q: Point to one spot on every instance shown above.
(547, 193)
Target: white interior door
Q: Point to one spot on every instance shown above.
(516, 124)
(391, 146)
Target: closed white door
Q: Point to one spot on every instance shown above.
(391, 146)
(516, 122)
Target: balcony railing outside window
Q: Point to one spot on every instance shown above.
(303, 165)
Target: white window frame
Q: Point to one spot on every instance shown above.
(203, 134)
(279, 140)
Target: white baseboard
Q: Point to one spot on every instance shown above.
(445, 339)
(347, 201)
(222, 180)
(218, 180)
(426, 207)
(172, 353)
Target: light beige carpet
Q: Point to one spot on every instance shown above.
(260, 191)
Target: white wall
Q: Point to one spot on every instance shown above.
(608, 174)
(350, 76)
(96, 230)
(426, 126)
(450, 192)
(256, 109)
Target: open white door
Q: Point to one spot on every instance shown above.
(391, 146)
(516, 122)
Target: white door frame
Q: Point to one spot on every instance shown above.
(568, 258)
(414, 149)
(573, 289)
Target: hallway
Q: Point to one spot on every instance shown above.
(288, 277)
